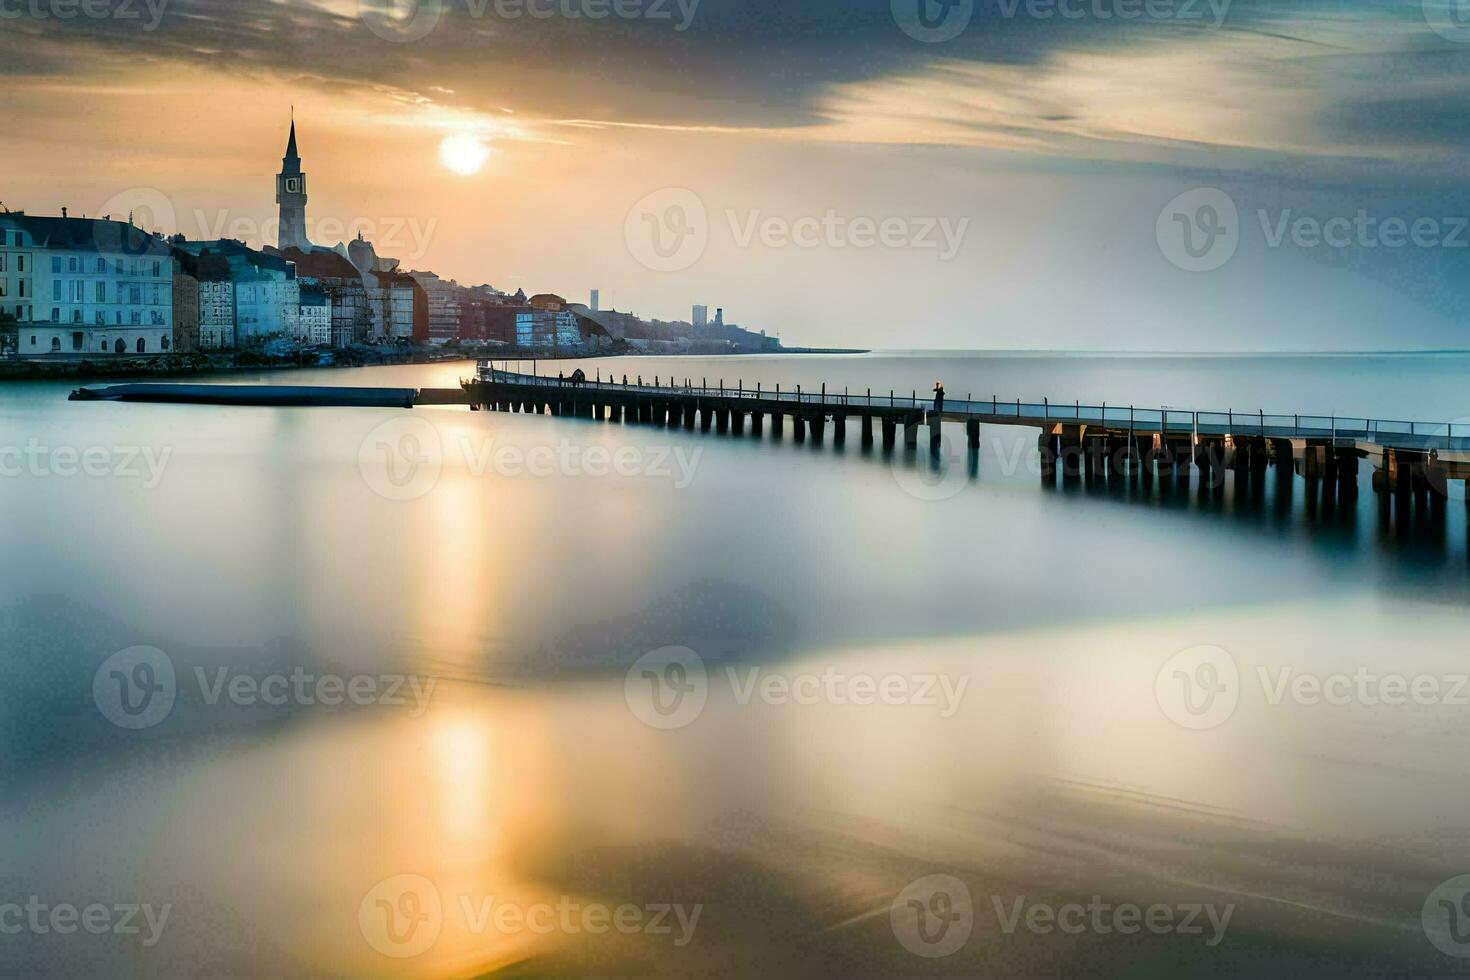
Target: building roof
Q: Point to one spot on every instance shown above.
(323, 263)
(239, 257)
(86, 234)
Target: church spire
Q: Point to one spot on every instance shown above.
(291, 154)
(291, 196)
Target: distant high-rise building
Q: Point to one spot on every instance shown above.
(291, 196)
(444, 306)
(701, 316)
(719, 316)
(593, 304)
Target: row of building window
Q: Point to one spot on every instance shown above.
(135, 317)
(75, 264)
(74, 291)
(20, 260)
(119, 347)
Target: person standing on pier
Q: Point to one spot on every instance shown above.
(938, 397)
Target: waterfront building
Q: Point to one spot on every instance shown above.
(315, 319)
(403, 307)
(17, 271)
(497, 321)
(547, 328)
(398, 304)
(93, 286)
(352, 315)
(593, 303)
(701, 316)
(266, 294)
(444, 306)
(186, 302)
(216, 310)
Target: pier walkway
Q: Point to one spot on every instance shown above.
(1409, 456)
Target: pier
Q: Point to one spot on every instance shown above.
(1410, 459)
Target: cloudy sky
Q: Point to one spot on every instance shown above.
(1085, 174)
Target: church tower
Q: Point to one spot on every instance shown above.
(291, 196)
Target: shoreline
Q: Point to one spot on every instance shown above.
(198, 364)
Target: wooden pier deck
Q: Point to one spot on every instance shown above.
(1075, 438)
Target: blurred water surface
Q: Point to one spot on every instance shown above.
(507, 571)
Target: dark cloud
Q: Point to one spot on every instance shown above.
(764, 63)
(738, 62)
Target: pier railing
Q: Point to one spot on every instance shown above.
(1169, 421)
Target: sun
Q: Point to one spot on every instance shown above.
(464, 153)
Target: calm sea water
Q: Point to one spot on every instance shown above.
(403, 672)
